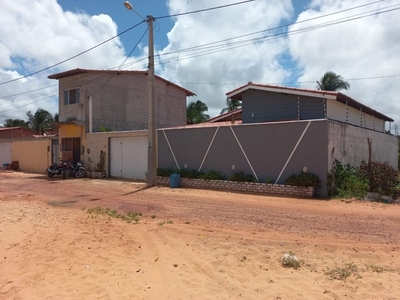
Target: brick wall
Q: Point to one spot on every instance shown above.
(252, 187)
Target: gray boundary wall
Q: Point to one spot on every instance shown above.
(274, 150)
(268, 150)
(349, 145)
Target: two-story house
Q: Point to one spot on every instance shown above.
(109, 100)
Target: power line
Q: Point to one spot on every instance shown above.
(72, 57)
(222, 47)
(81, 53)
(217, 47)
(203, 10)
(188, 49)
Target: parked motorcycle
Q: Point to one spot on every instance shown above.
(59, 169)
(76, 169)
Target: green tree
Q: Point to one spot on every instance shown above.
(16, 123)
(40, 121)
(332, 82)
(195, 112)
(231, 105)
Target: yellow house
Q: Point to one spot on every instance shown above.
(72, 140)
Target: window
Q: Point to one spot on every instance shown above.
(71, 96)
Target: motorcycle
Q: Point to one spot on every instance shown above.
(59, 169)
(75, 169)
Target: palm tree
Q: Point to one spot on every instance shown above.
(332, 82)
(16, 123)
(231, 105)
(195, 112)
(40, 121)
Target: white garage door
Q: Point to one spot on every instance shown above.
(5, 153)
(129, 157)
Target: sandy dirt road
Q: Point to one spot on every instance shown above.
(189, 243)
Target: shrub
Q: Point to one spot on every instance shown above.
(269, 181)
(303, 179)
(164, 172)
(189, 173)
(241, 177)
(212, 175)
(382, 178)
(347, 182)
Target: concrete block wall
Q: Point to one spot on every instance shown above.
(251, 187)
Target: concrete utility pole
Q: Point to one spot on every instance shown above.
(152, 152)
(151, 119)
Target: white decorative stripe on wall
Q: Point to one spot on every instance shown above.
(170, 148)
(244, 153)
(208, 149)
(293, 151)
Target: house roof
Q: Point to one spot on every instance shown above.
(16, 132)
(17, 128)
(236, 114)
(238, 94)
(204, 124)
(83, 71)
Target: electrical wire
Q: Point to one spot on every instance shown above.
(191, 48)
(203, 10)
(72, 57)
(218, 48)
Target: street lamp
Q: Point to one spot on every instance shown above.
(152, 148)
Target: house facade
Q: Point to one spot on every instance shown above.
(284, 131)
(92, 101)
(267, 103)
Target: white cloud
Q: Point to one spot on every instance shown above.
(363, 48)
(45, 34)
(38, 34)
(222, 69)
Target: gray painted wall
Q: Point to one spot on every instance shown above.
(265, 149)
(263, 106)
(269, 149)
(349, 145)
(119, 102)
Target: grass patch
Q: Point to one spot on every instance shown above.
(106, 212)
(342, 273)
(62, 203)
(167, 222)
(375, 268)
(153, 216)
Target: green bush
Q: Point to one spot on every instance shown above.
(303, 179)
(164, 172)
(241, 177)
(212, 175)
(347, 182)
(382, 178)
(190, 173)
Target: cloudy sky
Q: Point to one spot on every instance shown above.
(209, 52)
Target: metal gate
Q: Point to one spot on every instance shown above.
(128, 157)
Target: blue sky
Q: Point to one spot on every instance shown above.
(362, 45)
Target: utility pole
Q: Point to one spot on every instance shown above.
(152, 150)
(151, 127)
